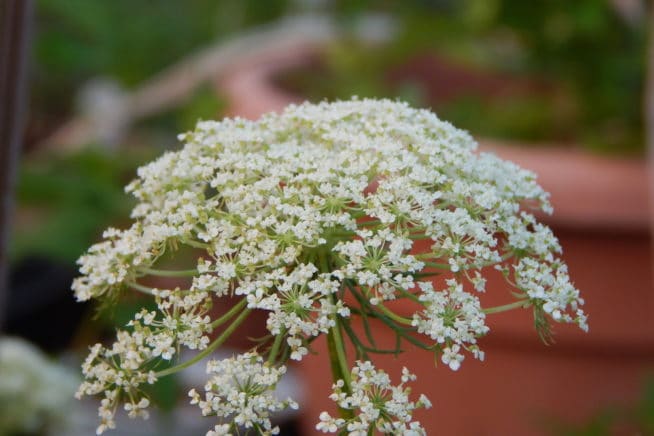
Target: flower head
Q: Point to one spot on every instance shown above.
(378, 404)
(312, 216)
(240, 392)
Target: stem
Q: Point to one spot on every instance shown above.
(210, 349)
(338, 373)
(411, 296)
(335, 345)
(196, 244)
(169, 273)
(520, 304)
(399, 331)
(394, 316)
(140, 288)
(275, 347)
(360, 347)
(340, 351)
(230, 313)
(356, 213)
(436, 265)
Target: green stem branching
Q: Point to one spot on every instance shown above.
(210, 349)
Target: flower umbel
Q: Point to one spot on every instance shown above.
(320, 216)
(379, 404)
(240, 392)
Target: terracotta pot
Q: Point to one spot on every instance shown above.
(602, 220)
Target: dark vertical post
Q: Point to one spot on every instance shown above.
(648, 103)
(15, 22)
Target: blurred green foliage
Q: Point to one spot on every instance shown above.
(132, 40)
(65, 201)
(126, 40)
(591, 57)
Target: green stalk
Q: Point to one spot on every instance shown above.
(169, 273)
(399, 331)
(237, 307)
(140, 288)
(520, 304)
(436, 265)
(392, 315)
(336, 347)
(275, 347)
(337, 372)
(196, 244)
(210, 349)
(411, 296)
(340, 352)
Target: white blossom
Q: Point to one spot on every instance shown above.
(240, 392)
(376, 403)
(454, 319)
(316, 215)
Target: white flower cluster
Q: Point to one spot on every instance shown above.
(380, 405)
(299, 303)
(452, 318)
(378, 262)
(113, 261)
(240, 391)
(117, 374)
(184, 322)
(119, 371)
(313, 216)
(549, 285)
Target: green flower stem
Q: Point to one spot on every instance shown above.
(400, 332)
(340, 351)
(210, 349)
(140, 288)
(411, 296)
(520, 304)
(436, 265)
(361, 349)
(196, 244)
(169, 273)
(394, 316)
(356, 213)
(335, 344)
(338, 372)
(275, 347)
(230, 313)
(368, 223)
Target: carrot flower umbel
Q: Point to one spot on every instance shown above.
(312, 217)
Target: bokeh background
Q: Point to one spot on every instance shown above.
(558, 86)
